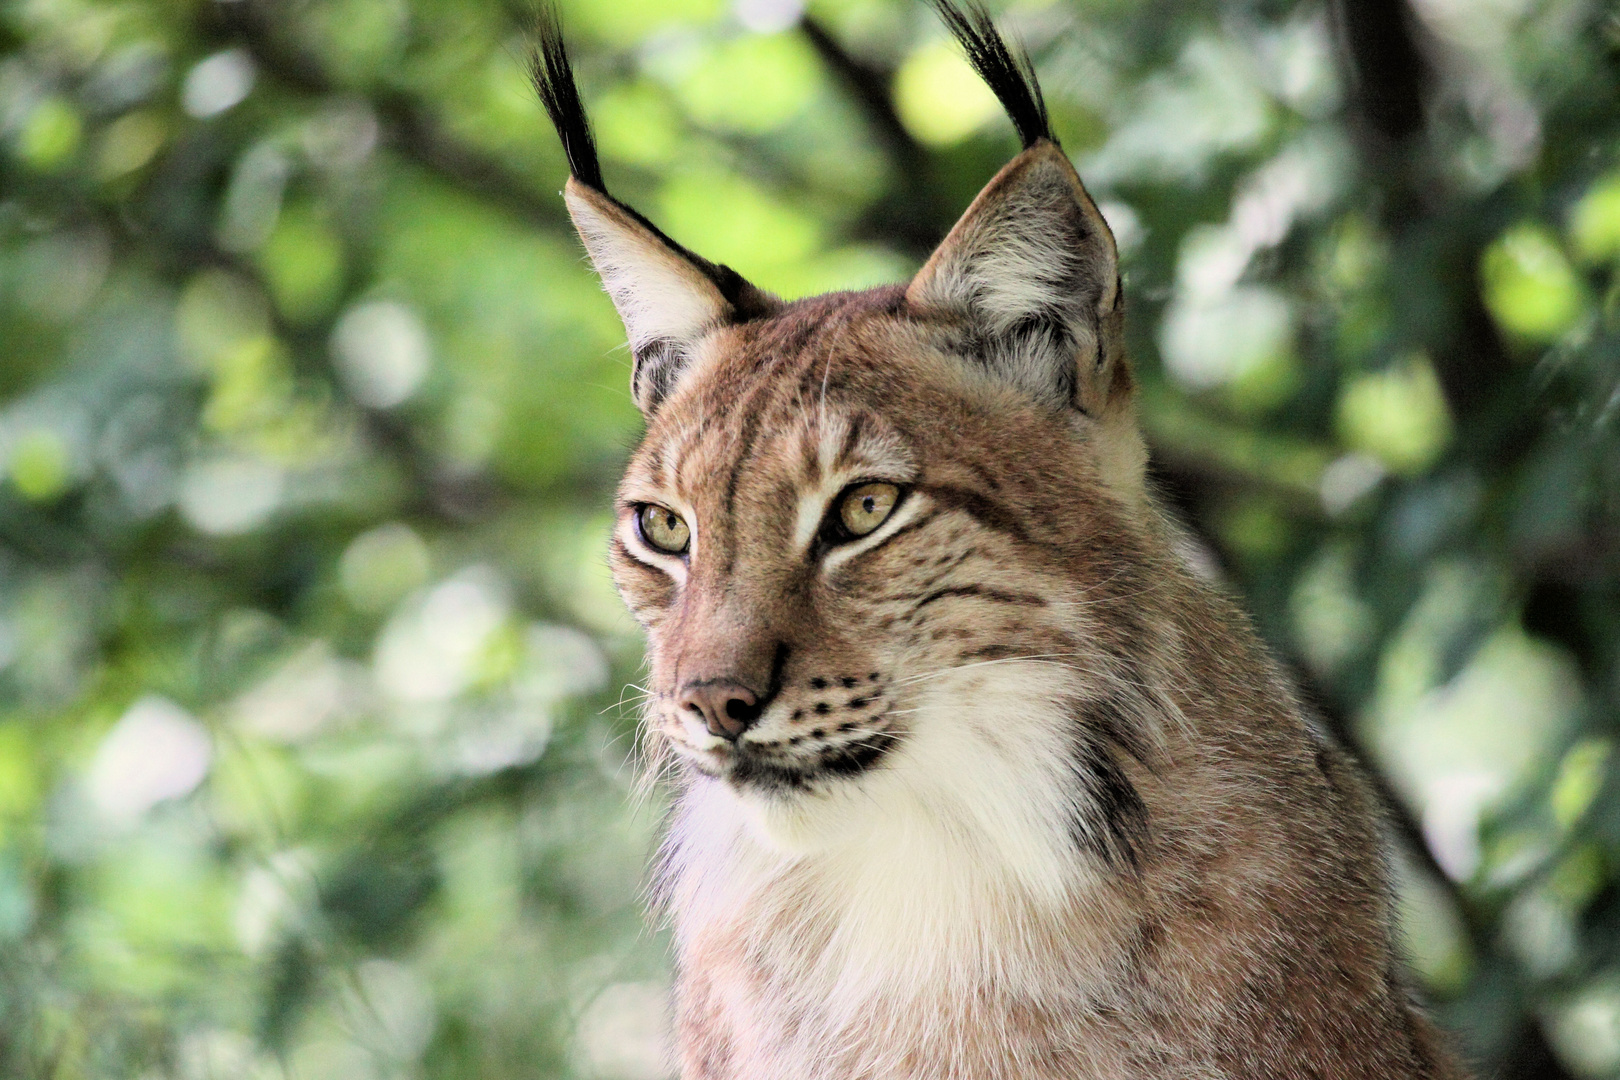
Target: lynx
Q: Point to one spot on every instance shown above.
(975, 777)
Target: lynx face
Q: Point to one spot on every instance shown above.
(874, 537)
(865, 527)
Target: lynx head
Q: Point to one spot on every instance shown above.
(876, 538)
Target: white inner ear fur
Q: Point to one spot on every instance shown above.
(660, 296)
(1005, 259)
(1011, 256)
(1032, 246)
(1012, 262)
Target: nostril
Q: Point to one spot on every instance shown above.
(727, 709)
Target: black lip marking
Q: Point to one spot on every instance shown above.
(751, 769)
(773, 687)
(859, 756)
(916, 523)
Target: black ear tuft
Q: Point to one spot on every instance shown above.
(1011, 76)
(553, 80)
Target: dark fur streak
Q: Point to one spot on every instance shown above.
(982, 509)
(852, 438)
(986, 477)
(750, 436)
(983, 592)
(1112, 821)
(1112, 720)
(989, 652)
(779, 660)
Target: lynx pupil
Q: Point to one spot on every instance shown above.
(664, 530)
(866, 507)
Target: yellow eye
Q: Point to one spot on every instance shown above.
(867, 506)
(663, 529)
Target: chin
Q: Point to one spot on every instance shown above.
(815, 812)
(797, 801)
(797, 823)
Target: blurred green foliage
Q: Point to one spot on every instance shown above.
(315, 753)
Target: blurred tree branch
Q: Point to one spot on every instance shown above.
(1387, 64)
(1386, 58)
(912, 217)
(408, 126)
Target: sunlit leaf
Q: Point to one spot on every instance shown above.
(1529, 285)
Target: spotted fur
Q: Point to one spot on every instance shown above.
(1017, 793)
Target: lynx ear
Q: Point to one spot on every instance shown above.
(1032, 270)
(668, 298)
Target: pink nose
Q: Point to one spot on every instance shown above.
(727, 708)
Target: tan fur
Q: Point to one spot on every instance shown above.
(1095, 839)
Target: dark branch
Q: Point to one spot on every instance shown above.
(1386, 62)
(869, 86)
(913, 216)
(1389, 73)
(407, 126)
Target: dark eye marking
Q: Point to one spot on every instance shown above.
(987, 512)
(919, 522)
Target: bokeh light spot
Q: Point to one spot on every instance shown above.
(156, 752)
(939, 97)
(218, 83)
(382, 352)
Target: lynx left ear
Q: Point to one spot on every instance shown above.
(1032, 270)
(668, 297)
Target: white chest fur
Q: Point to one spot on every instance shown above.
(874, 913)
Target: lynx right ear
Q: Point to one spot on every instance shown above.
(668, 298)
(1031, 266)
